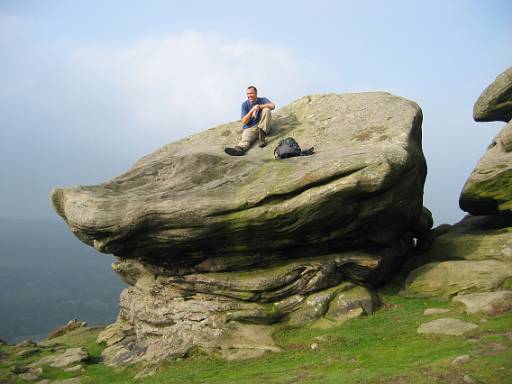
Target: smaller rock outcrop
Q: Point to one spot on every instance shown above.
(474, 255)
(488, 190)
(495, 102)
(473, 258)
(448, 278)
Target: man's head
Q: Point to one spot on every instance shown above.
(252, 93)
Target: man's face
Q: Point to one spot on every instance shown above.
(251, 95)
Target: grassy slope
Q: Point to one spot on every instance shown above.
(381, 348)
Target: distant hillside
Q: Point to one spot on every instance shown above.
(48, 277)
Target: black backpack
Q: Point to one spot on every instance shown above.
(289, 148)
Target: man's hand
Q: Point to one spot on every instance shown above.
(254, 110)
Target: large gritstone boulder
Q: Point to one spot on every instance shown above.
(488, 190)
(495, 102)
(220, 250)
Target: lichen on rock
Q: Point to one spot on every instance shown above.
(474, 255)
(488, 190)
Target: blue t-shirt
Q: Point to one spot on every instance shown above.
(246, 107)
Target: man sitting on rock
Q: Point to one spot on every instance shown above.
(256, 120)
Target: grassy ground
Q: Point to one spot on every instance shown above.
(381, 348)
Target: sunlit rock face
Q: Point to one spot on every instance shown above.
(472, 256)
(471, 261)
(495, 102)
(488, 191)
(219, 251)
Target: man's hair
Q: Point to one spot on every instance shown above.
(252, 87)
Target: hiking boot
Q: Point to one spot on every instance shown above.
(235, 151)
(262, 136)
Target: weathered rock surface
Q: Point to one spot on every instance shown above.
(474, 255)
(473, 238)
(462, 359)
(28, 352)
(435, 311)
(32, 374)
(26, 343)
(495, 102)
(448, 278)
(447, 326)
(488, 190)
(491, 303)
(230, 313)
(189, 202)
(70, 357)
(72, 380)
(219, 250)
(75, 368)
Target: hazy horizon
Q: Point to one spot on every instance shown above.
(48, 277)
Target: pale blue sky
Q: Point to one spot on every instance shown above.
(88, 87)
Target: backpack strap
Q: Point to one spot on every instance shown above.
(308, 152)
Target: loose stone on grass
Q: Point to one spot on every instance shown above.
(491, 303)
(435, 311)
(73, 380)
(74, 368)
(69, 357)
(26, 343)
(323, 338)
(461, 360)
(32, 374)
(17, 369)
(446, 326)
(28, 352)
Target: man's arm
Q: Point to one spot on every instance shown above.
(268, 104)
(254, 110)
(247, 117)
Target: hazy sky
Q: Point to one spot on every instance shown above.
(88, 87)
